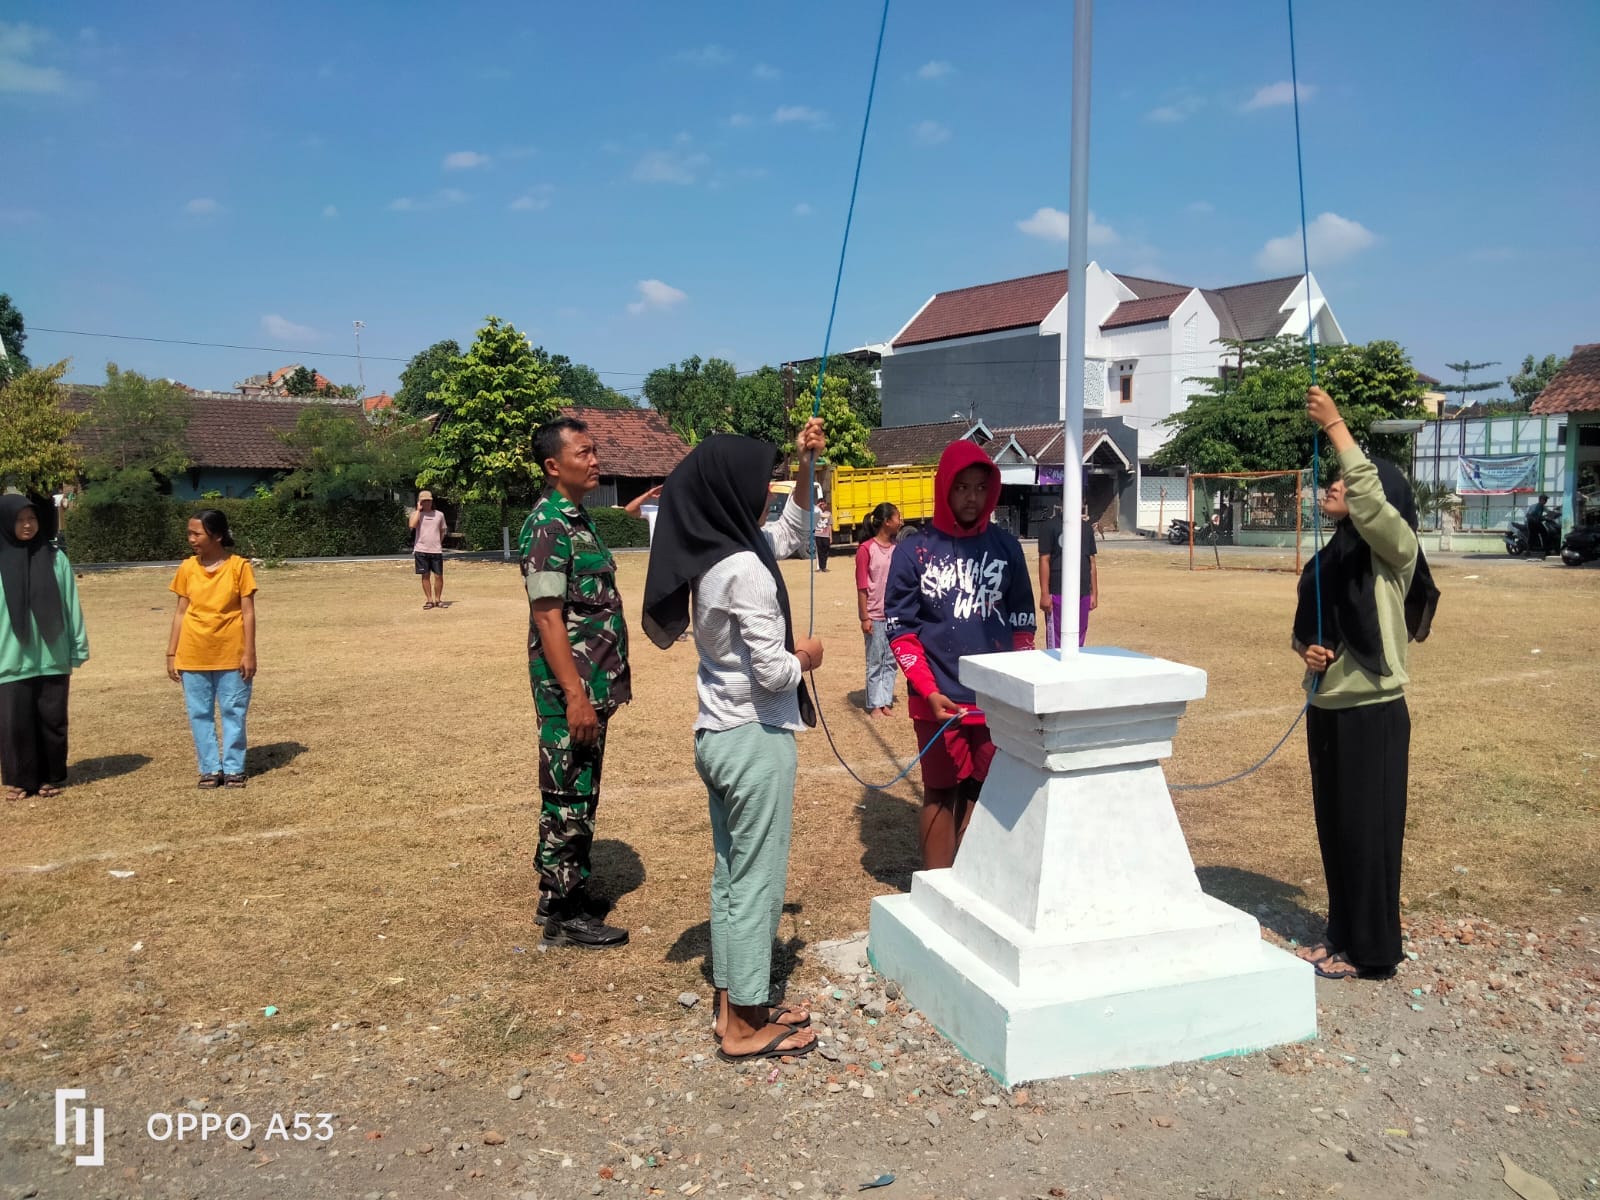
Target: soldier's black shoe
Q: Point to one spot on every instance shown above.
(582, 930)
(594, 906)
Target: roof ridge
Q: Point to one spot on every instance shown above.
(972, 287)
(1233, 287)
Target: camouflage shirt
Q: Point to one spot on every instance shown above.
(563, 558)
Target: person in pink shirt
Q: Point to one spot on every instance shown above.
(429, 525)
(872, 573)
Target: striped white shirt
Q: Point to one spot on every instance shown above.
(746, 676)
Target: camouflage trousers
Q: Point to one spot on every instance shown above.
(569, 784)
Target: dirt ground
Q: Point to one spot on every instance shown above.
(372, 886)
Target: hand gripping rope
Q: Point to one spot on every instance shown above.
(1316, 438)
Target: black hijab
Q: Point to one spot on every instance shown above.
(714, 504)
(1349, 601)
(28, 570)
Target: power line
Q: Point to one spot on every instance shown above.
(129, 337)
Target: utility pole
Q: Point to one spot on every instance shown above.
(361, 374)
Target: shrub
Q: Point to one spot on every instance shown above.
(479, 525)
(262, 528)
(618, 530)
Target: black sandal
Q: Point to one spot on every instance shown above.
(210, 781)
(233, 781)
(771, 1049)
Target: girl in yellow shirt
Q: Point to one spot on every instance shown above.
(212, 648)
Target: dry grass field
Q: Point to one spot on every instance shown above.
(377, 867)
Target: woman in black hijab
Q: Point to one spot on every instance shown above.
(41, 641)
(710, 549)
(1368, 594)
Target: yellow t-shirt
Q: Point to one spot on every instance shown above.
(211, 637)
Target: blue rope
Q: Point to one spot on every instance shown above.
(1316, 452)
(906, 770)
(833, 309)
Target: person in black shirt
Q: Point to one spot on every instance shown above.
(1050, 547)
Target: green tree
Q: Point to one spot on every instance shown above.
(426, 371)
(489, 407)
(758, 407)
(695, 397)
(847, 435)
(302, 381)
(12, 334)
(141, 437)
(345, 457)
(862, 393)
(1254, 418)
(1527, 383)
(580, 383)
(36, 451)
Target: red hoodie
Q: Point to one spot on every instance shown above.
(955, 591)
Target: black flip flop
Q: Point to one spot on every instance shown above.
(770, 1050)
(774, 1011)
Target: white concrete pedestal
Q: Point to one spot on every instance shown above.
(1071, 935)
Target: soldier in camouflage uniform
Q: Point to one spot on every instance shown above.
(578, 663)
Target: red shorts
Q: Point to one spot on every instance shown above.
(960, 752)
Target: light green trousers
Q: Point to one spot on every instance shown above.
(749, 773)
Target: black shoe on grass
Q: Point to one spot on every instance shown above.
(583, 931)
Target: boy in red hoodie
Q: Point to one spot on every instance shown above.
(959, 588)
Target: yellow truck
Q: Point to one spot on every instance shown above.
(853, 492)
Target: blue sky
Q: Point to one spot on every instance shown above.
(632, 183)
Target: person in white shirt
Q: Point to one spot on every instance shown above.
(710, 548)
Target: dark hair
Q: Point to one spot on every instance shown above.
(1544, 495)
(879, 515)
(548, 437)
(215, 522)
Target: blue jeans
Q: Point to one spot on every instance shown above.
(204, 693)
(881, 668)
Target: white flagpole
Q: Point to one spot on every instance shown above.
(1077, 326)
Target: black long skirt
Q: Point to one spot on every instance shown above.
(1359, 763)
(33, 732)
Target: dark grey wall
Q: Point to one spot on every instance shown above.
(1009, 381)
(1127, 440)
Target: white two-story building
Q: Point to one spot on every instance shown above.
(997, 352)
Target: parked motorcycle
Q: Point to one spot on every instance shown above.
(1549, 533)
(1581, 546)
(1178, 533)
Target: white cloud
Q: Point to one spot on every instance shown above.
(535, 199)
(465, 160)
(765, 71)
(279, 327)
(706, 56)
(741, 120)
(1200, 207)
(803, 209)
(680, 166)
(329, 211)
(1275, 94)
(1053, 225)
(1331, 237)
(202, 206)
(930, 133)
(792, 114)
(1171, 114)
(937, 69)
(443, 198)
(17, 44)
(655, 296)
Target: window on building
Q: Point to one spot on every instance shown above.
(1127, 388)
